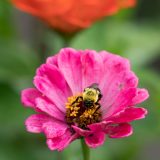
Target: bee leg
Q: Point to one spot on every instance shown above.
(100, 96)
(97, 107)
(79, 97)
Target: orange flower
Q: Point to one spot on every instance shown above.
(70, 15)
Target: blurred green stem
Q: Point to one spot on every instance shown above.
(85, 150)
(67, 40)
(42, 45)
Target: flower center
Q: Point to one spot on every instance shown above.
(84, 108)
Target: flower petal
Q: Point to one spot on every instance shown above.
(28, 97)
(69, 73)
(95, 140)
(52, 60)
(117, 77)
(69, 63)
(35, 122)
(141, 95)
(52, 84)
(82, 132)
(53, 129)
(48, 107)
(119, 130)
(100, 126)
(123, 100)
(61, 142)
(128, 115)
(92, 67)
(33, 98)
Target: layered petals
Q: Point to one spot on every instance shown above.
(69, 62)
(114, 129)
(31, 97)
(82, 132)
(58, 135)
(123, 100)
(117, 82)
(91, 68)
(51, 83)
(61, 142)
(35, 122)
(61, 86)
(48, 107)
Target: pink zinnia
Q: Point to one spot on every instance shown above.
(84, 94)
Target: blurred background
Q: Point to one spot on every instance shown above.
(132, 33)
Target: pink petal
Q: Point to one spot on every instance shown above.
(52, 84)
(116, 78)
(141, 95)
(116, 70)
(95, 140)
(48, 107)
(123, 100)
(92, 67)
(35, 122)
(52, 60)
(114, 62)
(82, 132)
(54, 129)
(61, 142)
(28, 97)
(69, 63)
(119, 130)
(98, 126)
(128, 115)
(33, 98)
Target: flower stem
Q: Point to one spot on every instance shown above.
(40, 42)
(67, 41)
(85, 150)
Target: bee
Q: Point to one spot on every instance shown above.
(91, 95)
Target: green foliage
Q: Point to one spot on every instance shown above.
(138, 42)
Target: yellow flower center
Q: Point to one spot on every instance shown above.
(83, 111)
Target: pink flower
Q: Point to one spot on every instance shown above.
(84, 94)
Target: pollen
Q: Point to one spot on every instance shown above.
(79, 114)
